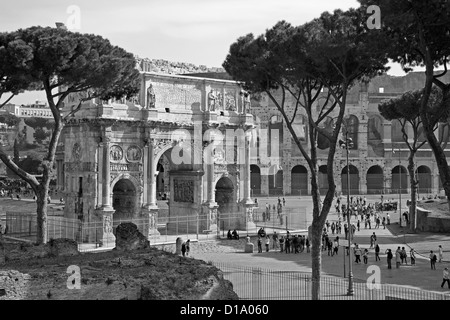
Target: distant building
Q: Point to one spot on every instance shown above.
(39, 109)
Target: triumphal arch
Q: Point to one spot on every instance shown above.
(184, 137)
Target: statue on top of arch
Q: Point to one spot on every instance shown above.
(151, 98)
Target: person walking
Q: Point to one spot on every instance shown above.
(445, 278)
(365, 256)
(433, 259)
(412, 255)
(441, 253)
(357, 253)
(259, 245)
(183, 249)
(188, 246)
(267, 243)
(398, 259)
(330, 247)
(275, 240)
(302, 243)
(373, 239)
(284, 202)
(388, 219)
(287, 245)
(377, 252)
(404, 255)
(281, 244)
(333, 227)
(336, 246)
(357, 225)
(383, 222)
(378, 222)
(389, 257)
(295, 243)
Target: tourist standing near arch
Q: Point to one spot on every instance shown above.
(389, 257)
(441, 253)
(433, 259)
(445, 277)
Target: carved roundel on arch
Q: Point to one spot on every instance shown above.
(134, 154)
(116, 153)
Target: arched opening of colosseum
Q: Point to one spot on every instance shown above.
(400, 179)
(424, 178)
(375, 180)
(255, 179)
(299, 180)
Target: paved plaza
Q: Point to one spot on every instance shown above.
(231, 252)
(419, 276)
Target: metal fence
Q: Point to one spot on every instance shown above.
(89, 234)
(263, 284)
(288, 219)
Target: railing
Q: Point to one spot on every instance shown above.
(264, 284)
(89, 234)
(288, 219)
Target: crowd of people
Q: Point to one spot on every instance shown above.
(284, 243)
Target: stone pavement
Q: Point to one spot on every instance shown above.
(419, 276)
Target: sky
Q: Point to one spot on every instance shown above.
(191, 31)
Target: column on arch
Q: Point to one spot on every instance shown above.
(247, 158)
(106, 174)
(150, 175)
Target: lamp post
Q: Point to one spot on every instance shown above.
(400, 185)
(348, 143)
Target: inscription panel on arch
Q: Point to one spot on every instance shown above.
(183, 190)
(126, 167)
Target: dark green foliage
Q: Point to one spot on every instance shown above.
(36, 122)
(32, 163)
(406, 22)
(331, 52)
(40, 135)
(61, 63)
(10, 119)
(407, 106)
(76, 61)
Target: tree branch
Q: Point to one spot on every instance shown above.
(7, 100)
(30, 179)
(445, 69)
(291, 130)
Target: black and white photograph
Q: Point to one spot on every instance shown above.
(218, 156)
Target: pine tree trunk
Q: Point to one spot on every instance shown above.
(441, 161)
(316, 259)
(316, 239)
(41, 211)
(413, 184)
